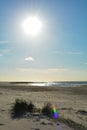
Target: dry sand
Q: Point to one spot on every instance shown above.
(71, 103)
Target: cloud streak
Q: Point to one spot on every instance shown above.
(45, 71)
(4, 42)
(69, 52)
(74, 53)
(1, 55)
(4, 52)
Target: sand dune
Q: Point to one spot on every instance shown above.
(70, 102)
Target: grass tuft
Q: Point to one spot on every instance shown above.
(47, 109)
(20, 107)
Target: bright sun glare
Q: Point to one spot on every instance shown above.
(32, 26)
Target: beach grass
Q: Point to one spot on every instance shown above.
(47, 109)
(20, 107)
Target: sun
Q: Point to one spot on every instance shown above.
(32, 25)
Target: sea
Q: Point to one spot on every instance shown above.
(60, 84)
(47, 84)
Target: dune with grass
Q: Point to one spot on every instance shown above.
(25, 107)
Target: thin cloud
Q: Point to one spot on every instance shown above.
(4, 42)
(4, 51)
(57, 69)
(1, 55)
(74, 53)
(69, 52)
(29, 59)
(85, 63)
(45, 71)
(57, 52)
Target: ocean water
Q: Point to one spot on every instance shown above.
(60, 84)
(46, 84)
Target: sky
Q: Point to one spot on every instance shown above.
(58, 53)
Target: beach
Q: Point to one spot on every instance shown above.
(71, 104)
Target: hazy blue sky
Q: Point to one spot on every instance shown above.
(59, 52)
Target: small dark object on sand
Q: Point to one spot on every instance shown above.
(1, 124)
(43, 123)
(50, 123)
(82, 112)
(57, 124)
